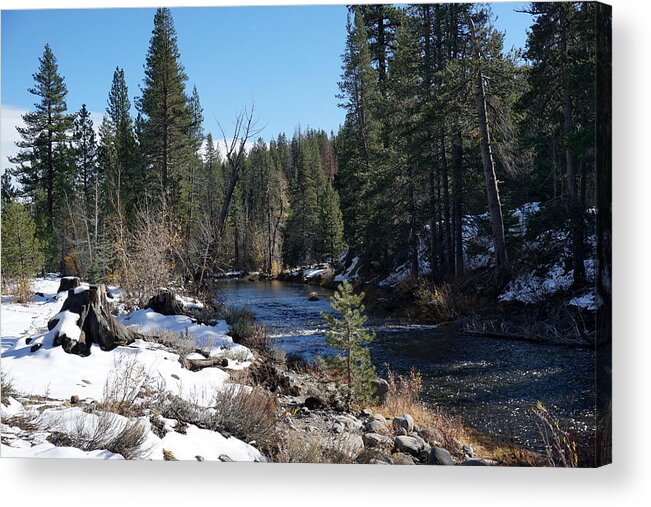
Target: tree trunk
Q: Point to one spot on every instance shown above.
(457, 200)
(502, 268)
(95, 321)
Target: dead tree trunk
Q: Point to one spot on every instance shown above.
(502, 268)
(95, 322)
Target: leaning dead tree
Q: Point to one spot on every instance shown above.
(502, 267)
(245, 129)
(96, 323)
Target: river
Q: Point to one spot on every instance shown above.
(490, 383)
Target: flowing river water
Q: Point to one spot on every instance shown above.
(490, 383)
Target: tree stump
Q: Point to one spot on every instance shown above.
(166, 303)
(95, 321)
(68, 282)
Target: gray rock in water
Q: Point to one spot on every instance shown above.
(404, 421)
(376, 440)
(439, 456)
(410, 445)
(312, 296)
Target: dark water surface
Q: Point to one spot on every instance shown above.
(491, 383)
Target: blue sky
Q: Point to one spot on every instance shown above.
(286, 59)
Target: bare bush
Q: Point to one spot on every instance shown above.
(300, 447)
(131, 389)
(441, 303)
(180, 343)
(560, 447)
(20, 287)
(248, 414)
(105, 431)
(7, 388)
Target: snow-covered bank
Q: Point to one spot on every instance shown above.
(39, 370)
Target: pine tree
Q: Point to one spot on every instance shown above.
(22, 253)
(331, 231)
(85, 156)
(167, 118)
(43, 162)
(348, 335)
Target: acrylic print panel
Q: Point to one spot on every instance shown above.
(378, 234)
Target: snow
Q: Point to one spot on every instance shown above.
(347, 275)
(587, 301)
(51, 372)
(48, 450)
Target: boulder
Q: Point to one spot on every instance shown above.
(476, 462)
(402, 459)
(375, 426)
(376, 440)
(373, 457)
(312, 296)
(439, 456)
(68, 282)
(468, 450)
(404, 421)
(410, 445)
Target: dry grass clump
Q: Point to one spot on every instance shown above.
(131, 389)
(248, 414)
(180, 343)
(20, 287)
(441, 303)
(297, 446)
(560, 447)
(7, 389)
(105, 432)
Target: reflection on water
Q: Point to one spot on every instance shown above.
(491, 383)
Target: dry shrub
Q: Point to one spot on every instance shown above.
(248, 414)
(560, 447)
(297, 446)
(105, 432)
(20, 288)
(403, 397)
(180, 343)
(245, 331)
(441, 303)
(130, 389)
(7, 389)
(145, 254)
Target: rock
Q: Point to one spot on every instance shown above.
(337, 427)
(349, 422)
(380, 389)
(35, 347)
(312, 296)
(225, 458)
(199, 458)
(439, 456)
(166, 303)
(314, 403)
(477, 462)
(74, 399)
(402, 459)
(401, 431)
(376, 440)
(468, 450)
(68, 282)
(404, 421)
(373, 457)
(375, 426)
(409, 444)
(367, 412)
(28, 341)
